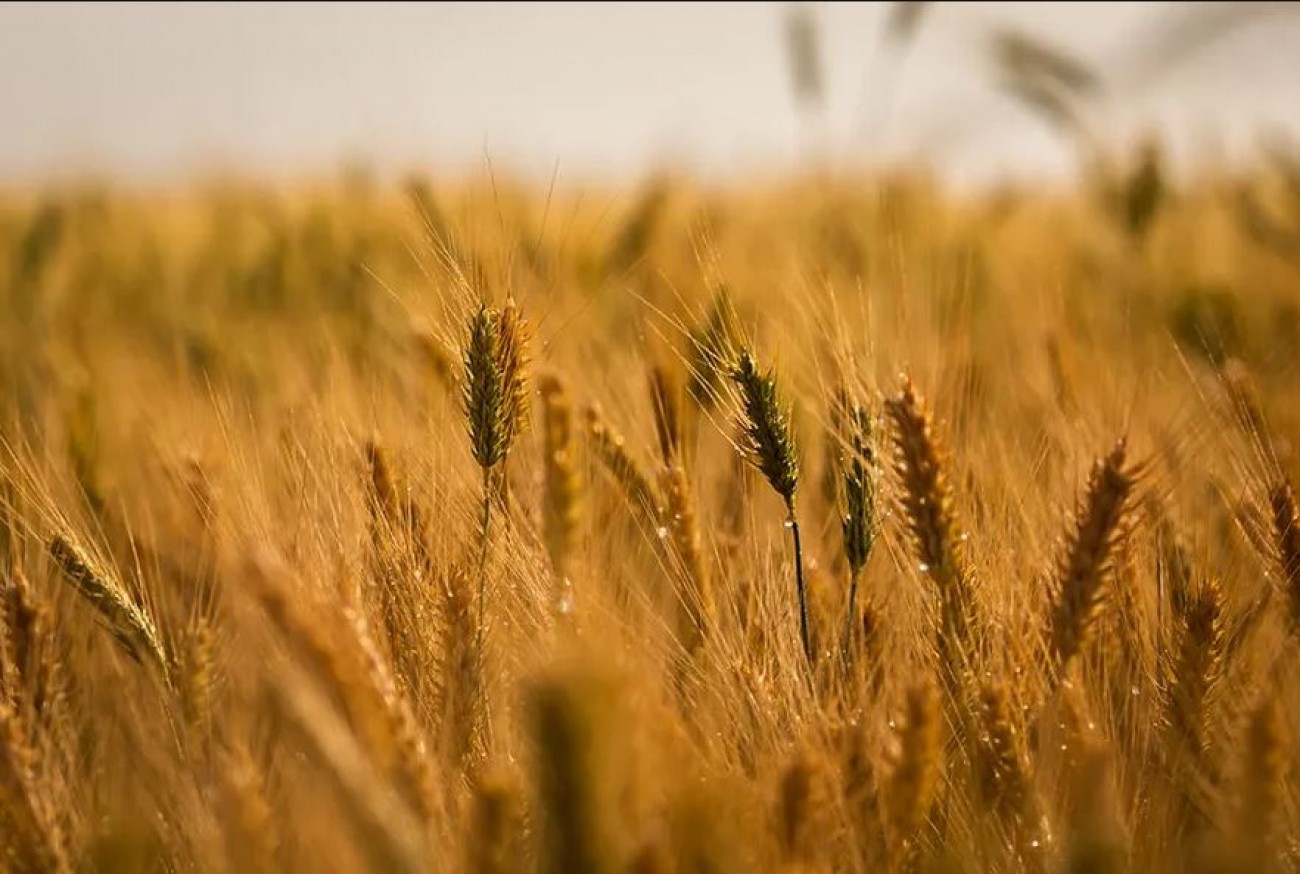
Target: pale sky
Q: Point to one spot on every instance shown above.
(155, 91)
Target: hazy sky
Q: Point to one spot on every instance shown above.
(153, 90)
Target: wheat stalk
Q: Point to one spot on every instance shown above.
(769, 445)
(936, 534)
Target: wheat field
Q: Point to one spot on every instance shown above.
(820, 524)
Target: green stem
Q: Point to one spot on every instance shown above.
(484, 532)
(850, 618)
(483, 554)
(798, 582)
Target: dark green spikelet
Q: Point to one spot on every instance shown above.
(859, 471)
(769, 441)
(484, 392)
(496, 381)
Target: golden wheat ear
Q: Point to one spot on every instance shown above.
(35, 837)
(695, 600)
(914, 782)
(131, 627)
(1005, 773)
(564, 489)
(937, 538)
(611, 450)
(1081, 574)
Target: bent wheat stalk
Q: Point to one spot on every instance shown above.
(495, 399)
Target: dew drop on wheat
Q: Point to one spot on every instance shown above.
(662, 531)
(564, 603)
(789, 523)
(923, 568)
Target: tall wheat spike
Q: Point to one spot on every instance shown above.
(1005, 772)
(496, 406)
(857, 464)
(936, 534)
(1081, 573)
(769, 445)
(31, 673)
(1199, 669)
(563, 483)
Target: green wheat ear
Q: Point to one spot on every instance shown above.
(769, 441)
(484, 392)
(769, 445)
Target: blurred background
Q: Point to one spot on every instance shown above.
(152, 92)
